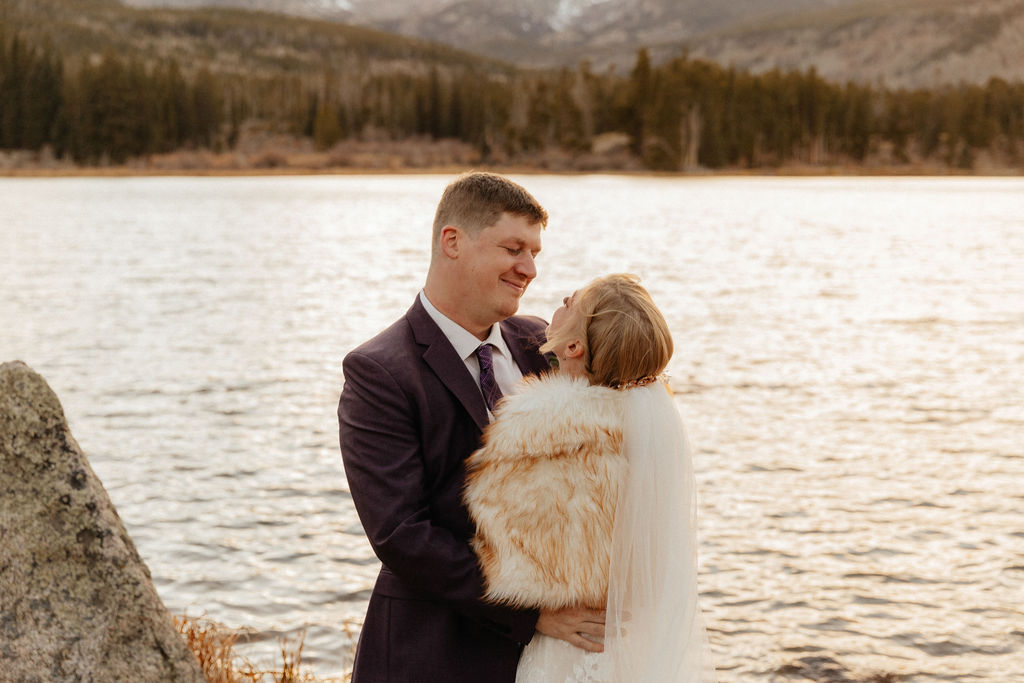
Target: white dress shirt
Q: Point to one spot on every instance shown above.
(506, 372)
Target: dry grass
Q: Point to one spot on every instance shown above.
(213, 645)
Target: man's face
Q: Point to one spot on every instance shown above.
(497, 266)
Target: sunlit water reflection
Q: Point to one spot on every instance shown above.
(849, 361)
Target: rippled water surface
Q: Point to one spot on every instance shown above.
(849, 361)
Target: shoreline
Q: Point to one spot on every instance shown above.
(781, 172)
(283, 155)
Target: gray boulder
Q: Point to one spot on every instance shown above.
(77, 603)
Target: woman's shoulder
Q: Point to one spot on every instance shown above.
(557, 395)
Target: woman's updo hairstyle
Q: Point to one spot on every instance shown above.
(625, 336)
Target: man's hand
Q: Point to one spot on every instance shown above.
(581, 627)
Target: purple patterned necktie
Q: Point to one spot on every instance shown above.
(488, 384)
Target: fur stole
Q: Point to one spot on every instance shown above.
(543, 490)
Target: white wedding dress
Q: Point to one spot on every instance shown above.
(654, 631)
(550, 660)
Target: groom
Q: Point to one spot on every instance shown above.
(415, 402)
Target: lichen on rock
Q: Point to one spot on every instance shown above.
(76, 600)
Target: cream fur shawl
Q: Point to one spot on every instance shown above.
(543, 490)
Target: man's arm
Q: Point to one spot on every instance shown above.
(384, 464)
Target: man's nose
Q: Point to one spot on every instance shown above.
(526, 266)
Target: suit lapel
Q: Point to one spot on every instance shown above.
(524, 349)
(440, 355)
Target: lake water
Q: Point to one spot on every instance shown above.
(850, 355)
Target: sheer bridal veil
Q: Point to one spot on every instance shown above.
(654, 630)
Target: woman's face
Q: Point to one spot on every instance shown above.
(565, 325)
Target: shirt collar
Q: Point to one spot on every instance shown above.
(465, 342)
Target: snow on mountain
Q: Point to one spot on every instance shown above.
(566, 12)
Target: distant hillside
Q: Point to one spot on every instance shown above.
(912, 43)
(563, 32)
(480, 24)
(226, 40)
(537, 33)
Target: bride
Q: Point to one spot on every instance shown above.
(583, 495)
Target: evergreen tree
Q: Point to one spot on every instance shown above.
(434, 110)
(857, 124)
(40, 99)
(326, 128)
(13, 85)
(207, 109)
(640, 99)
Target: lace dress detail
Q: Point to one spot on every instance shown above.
(550, 660)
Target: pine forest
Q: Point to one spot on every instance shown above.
(103, 102)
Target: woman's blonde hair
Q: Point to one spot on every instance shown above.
(624, 335)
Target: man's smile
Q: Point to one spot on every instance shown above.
(519, 288)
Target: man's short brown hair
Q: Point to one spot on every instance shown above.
(476, 200)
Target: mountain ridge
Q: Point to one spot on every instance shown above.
(917, 43)
(223, 37)
(902, 43)
(535, 33)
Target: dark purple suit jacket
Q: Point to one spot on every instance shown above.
(410, 414)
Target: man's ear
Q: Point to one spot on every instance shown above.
(451, 238)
